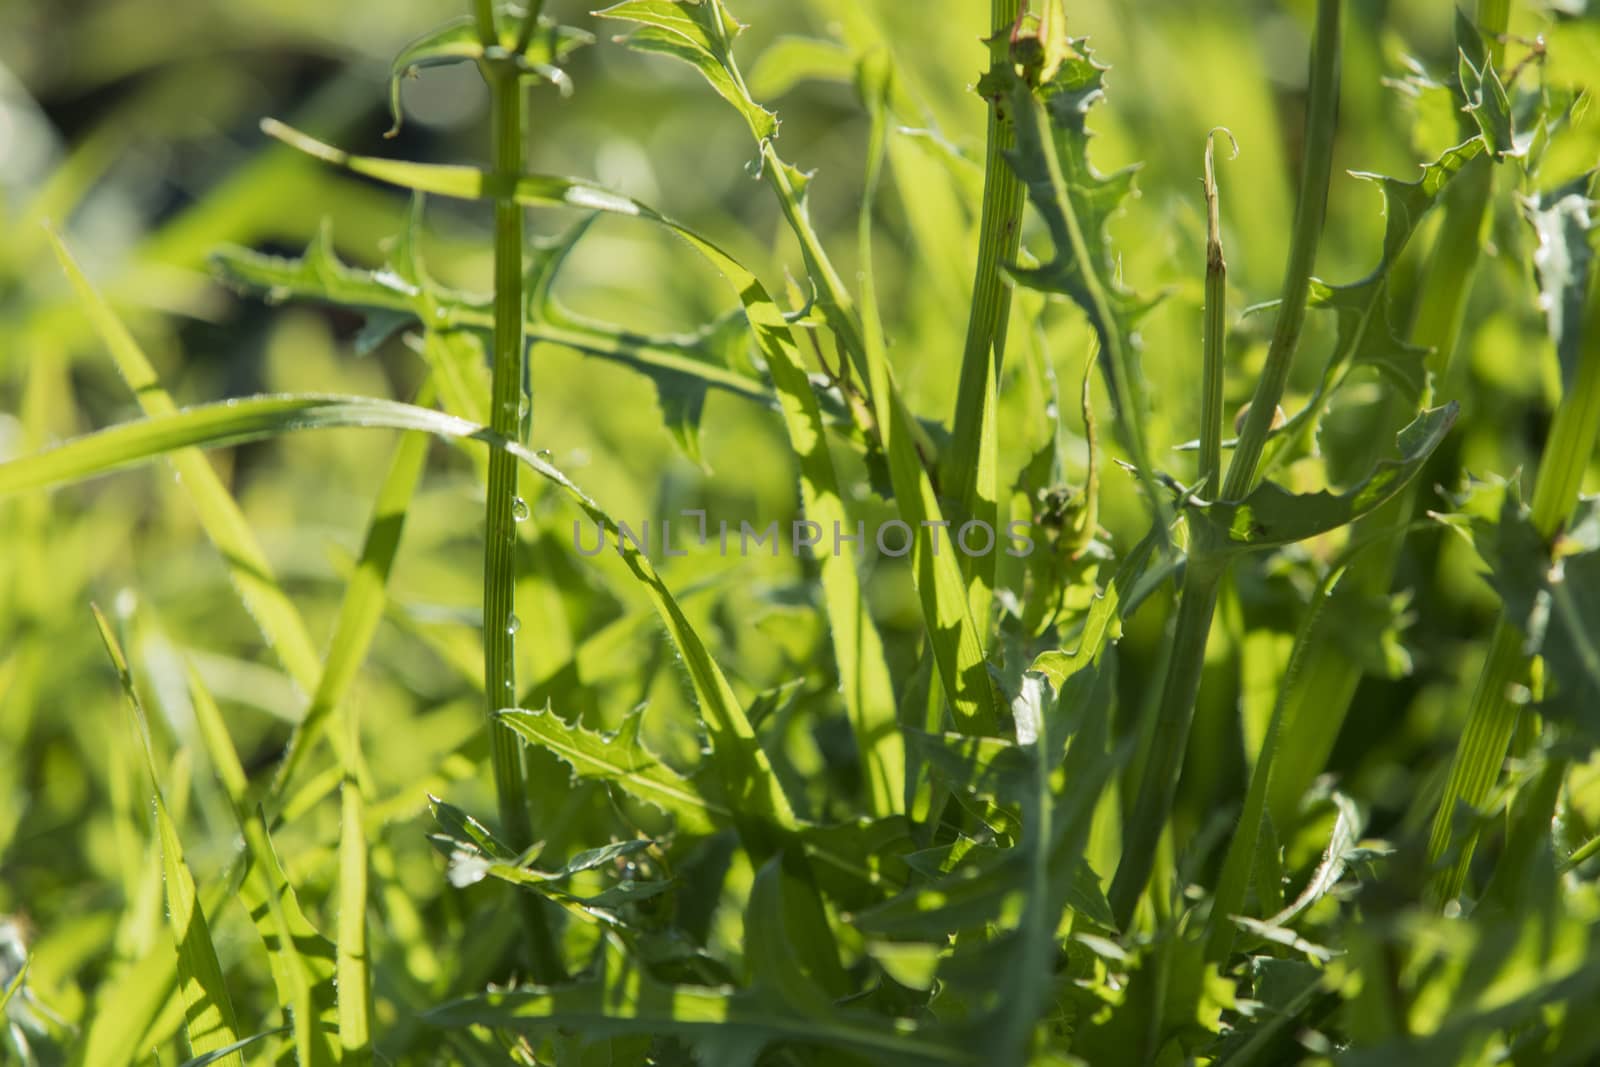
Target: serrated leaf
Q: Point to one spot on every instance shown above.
(701, 33)
(1271, 516)
(1077, 203)
(1551, 594)
(1486, 99)
(620, 759)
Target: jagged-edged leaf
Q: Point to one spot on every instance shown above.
(1551, 593)
(683, 367)
(208, 1010)
(1366, 336)
(701, 33)
(1562, 261)
(1271, 516)
(458, 41)
(1077, 203)
(618, 997)
(622, 759)
(1486, 99)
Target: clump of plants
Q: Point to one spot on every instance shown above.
(984, 851)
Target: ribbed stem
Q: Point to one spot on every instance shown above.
(998, 240)
(500, 519)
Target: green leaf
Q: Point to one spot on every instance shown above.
(1486, 99)
(1271, 516)
(458, 41)
(208, 1011)
(701, 33)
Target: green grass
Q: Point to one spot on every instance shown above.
(1276, 747)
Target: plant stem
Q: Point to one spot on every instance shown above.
(1205, 569)
(530, 23)
(483, 18)
(1159, 783)
(500, 521)
(1492, 717)
(1310, 209)
(999, 238)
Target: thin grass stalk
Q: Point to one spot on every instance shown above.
(1205, 568)
(1492, 718)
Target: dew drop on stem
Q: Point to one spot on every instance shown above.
(519, 509)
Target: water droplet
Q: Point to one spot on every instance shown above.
(513, 624)
(519, 509)
(544, 453)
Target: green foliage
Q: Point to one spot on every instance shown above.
(1210, 773)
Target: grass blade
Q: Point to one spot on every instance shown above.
(301, 958)
(209, 1020)
(247, 564)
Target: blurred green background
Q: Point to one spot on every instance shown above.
(133, 126)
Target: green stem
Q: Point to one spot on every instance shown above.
(999, 238)
(530, 23)
(1215, 332)
(500, 521)
(1321, 114)
(1492, 717)
(1159, 783)
(483, 18)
